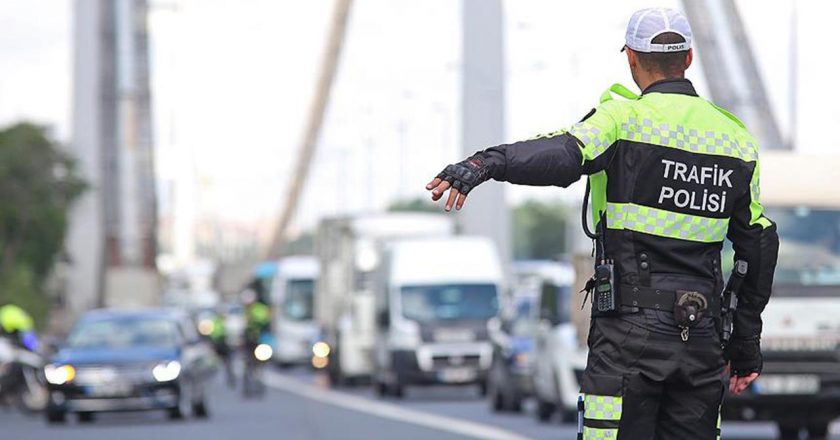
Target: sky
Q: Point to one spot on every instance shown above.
(232, 81)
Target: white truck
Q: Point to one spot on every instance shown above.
(799, 387)
(292, 298)
(350, 250)
(559, 355)
(434, 298)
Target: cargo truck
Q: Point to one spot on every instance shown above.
(799, 387)
(349, 250)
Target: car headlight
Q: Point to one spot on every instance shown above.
(321, 349)
(59, 374)
(166, 371)
(263, 352)
(206, 327)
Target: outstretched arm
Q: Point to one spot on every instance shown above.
(557, 159)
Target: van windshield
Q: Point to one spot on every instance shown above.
(809, 246)
(297, 302)
(449, 302)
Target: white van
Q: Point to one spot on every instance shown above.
(559, 359)
(434, 298)
(292, 291)
(350, 251)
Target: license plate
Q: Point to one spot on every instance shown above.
(109, 390)
(787, 384)
(455, 375)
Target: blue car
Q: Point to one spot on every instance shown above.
(128, 361)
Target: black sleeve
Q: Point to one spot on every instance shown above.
(544, 161)
(755, 240)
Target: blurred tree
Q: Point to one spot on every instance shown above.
(419, 204)
(38, 182)
(539, 230)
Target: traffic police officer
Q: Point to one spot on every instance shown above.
(672, 175)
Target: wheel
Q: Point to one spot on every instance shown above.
(334, 368)
(33, 396)
(482, 388)
(84, 417)
(515, 403)
(494, 396)
(818, 431)
(397, 390)
(179, 411)
(337, 380)
(175, 413)
(544, 410)
(788, 432)
(199, 409)
(251, 380)
(56, 417)
(381, 389)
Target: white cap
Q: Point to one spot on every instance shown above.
(647, 24)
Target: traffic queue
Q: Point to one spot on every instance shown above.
(369, 309)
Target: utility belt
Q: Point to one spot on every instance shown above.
(688, 306)
(668, 300)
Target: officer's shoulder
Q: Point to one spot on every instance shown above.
(728, 116)
(736, 126)
(617, 100)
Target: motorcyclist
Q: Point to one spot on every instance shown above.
(218, 336)
(18, 383)
(257, 322)
(257, 318)
(18, 326)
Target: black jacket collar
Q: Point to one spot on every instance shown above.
(680, 86)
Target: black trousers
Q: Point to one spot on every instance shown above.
(643, 382)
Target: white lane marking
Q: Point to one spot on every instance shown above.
(389, 411)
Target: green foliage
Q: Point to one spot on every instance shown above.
(539, 230)
(19, 286)
(419, 204)
(38, 183)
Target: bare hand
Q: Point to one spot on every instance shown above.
(439, 186)
(738, 384)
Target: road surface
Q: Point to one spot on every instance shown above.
(300, 406)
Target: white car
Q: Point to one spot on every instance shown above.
(559, 358)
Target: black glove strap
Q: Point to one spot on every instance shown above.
(466, 175)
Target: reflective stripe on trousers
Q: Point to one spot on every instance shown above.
(601, 415)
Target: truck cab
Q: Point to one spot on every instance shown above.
(434, 298)
(292, 297)
(799, 386)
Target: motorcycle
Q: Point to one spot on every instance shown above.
(255, 359)
(22, 384)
